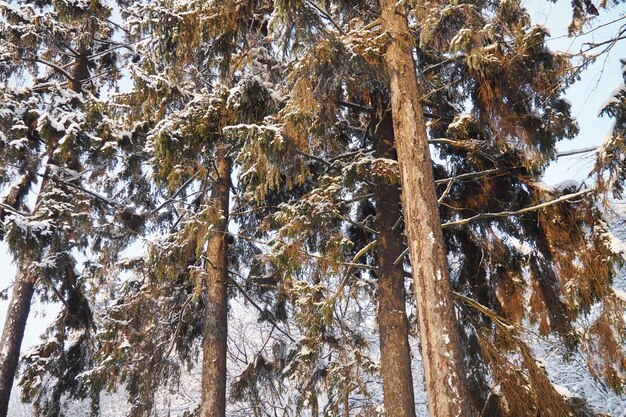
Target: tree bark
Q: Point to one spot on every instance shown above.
(214, 343)
(399, 399)
(19, 306)
(12, 335)
(442, 358)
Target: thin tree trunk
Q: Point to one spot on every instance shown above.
(442, 359)
(12, 335)
(393, 325)
(19, 306)
(214, 343)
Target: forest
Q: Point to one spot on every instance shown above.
(307, 208)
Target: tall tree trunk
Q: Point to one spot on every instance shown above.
(393, 325)
(443, 364)
(19, 306)
(12, 335)
(214, 342)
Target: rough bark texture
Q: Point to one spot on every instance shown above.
(442, 359)
(12, 335)
(216, 297)
(393, 325)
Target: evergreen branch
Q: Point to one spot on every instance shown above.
(458, 143)
(499, 320)
(301, 251)
(365, 109)
(52, 65)
(266, 313)
(16, 191)
(611, 42)
(402, 255)
(359, 225)
(440, 64)
(117, 25)
(114, 48)
(472, 175)
(448, 187)
(357, 198)
(12, 210)
(484, 216)
(70, 184)
(355, 106)
(347, 155)
(315, 158)
(179, 325)
(173, 197)
(114, 43)
(373, 24)
(348, 264)
(326, 16)
(73, 52)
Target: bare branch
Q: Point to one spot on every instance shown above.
(577, 151)
(484, 216)
(325, 15)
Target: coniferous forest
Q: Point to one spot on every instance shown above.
(306, 208)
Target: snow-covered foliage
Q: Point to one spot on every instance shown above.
(291, 99)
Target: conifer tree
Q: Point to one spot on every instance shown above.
(62, 51)
(191, 79)
(499, 138)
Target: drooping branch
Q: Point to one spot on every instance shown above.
(90, 193)
(52, 65)
(484, 216)
(356, 257)
(258, 307)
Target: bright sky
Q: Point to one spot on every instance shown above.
(587, 96)
(591, 92)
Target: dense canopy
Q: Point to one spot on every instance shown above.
(304, 208)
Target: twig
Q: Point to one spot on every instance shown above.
(402, 255)
(176, 193)
(50, 64)
(448, 187)
(485, 310)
